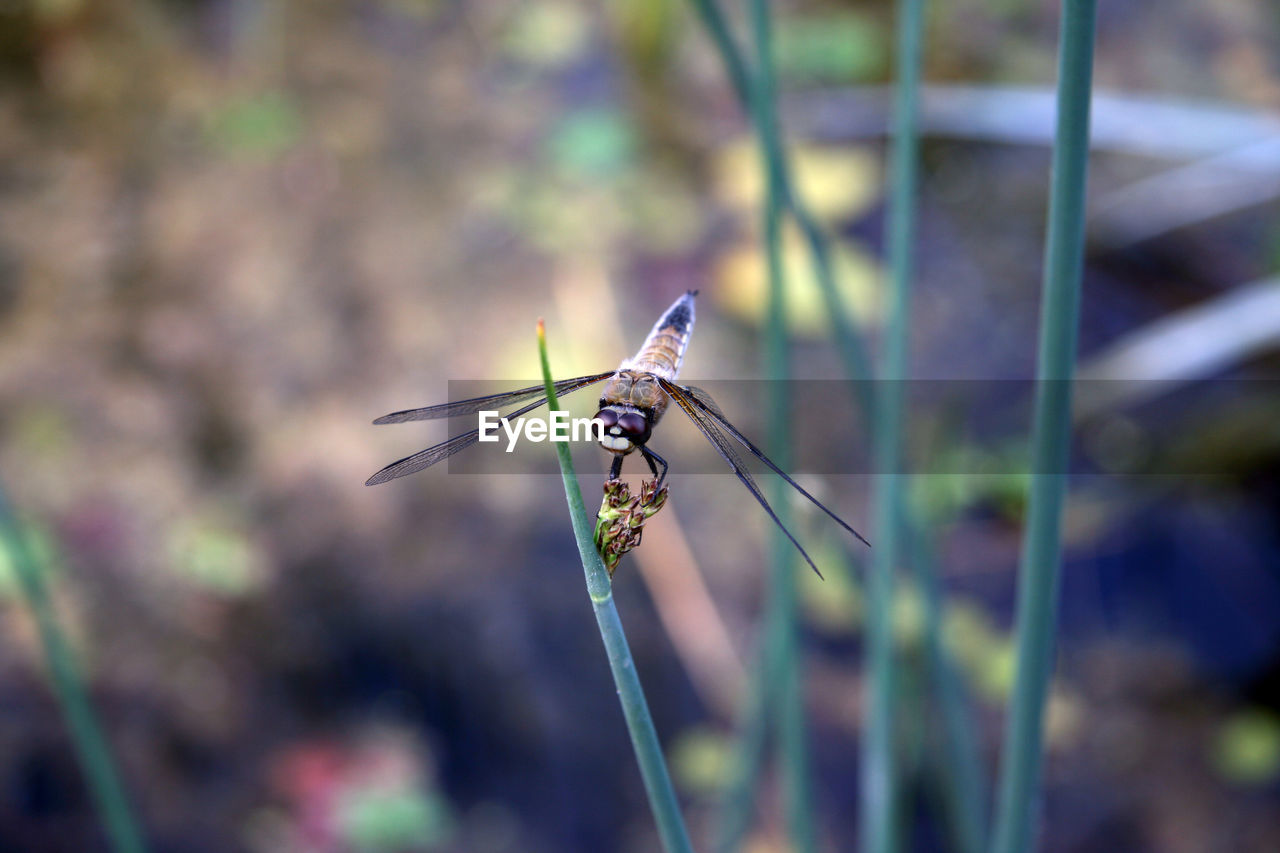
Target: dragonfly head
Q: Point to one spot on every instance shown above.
(625, 427)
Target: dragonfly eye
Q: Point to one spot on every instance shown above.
(633, 424)
(608, 417)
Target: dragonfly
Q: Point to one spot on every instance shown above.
(632, 402)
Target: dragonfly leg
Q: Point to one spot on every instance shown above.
(616, 471)
(652, 458)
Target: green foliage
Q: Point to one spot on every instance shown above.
(970, 477)
(549, 33)
(647, 31)
(375, 820)
(701, 760)
(593, 143)
(1247, 748)
(215, 557)
(834, 602)
(263, 124)
(833, 48)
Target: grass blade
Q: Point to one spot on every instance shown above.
(644, 737)
(1051, 436)
(91, 746)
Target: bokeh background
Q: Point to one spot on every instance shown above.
(232, 233)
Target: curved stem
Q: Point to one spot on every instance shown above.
(644, 737)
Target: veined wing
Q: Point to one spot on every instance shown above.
(702, 400)
(492, 401)
(445, 449)
(709, 427)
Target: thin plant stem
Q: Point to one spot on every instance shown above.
(782, 636)
(747, 761)
(964, 777)
(849, 344)
(644, 737)
(735, 65)
(91, 746)
(776, 684)
(1038, 572)
(879, 776)
(793, 732)
(853, 353)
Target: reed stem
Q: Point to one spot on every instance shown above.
(1038, 572)
(782, 637)
(90, 744)
(849, 343)
(635, 710)
(964, 778)
(879, 773)
(856, 363)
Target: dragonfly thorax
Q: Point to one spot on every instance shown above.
(631, 404)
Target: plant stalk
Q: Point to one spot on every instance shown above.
(879, 773)
(857, 367)
(91, 746)
(783, 631)
(635, 710)
(964, 779)
(849, 343)
(1036, 619)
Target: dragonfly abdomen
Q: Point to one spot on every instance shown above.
(663, 350)
(661, 355)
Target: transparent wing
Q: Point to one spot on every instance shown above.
(702, 400)
(430, 456)
(493, 401)
(706, 423)
(445, 449)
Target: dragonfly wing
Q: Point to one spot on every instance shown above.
(702, 400)
(709, 428)
(492, 401)
(425, 458)
(445, 449)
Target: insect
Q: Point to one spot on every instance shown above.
(633, 401)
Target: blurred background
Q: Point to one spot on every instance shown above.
(233, 233)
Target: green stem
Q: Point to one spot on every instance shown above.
(849, 343)
(1051, 436)
(857, 367)
(718, 29)
(964, 779)
(644, 737)
(879, 782)
(91, 746)
(782, 636)
(748, 760)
